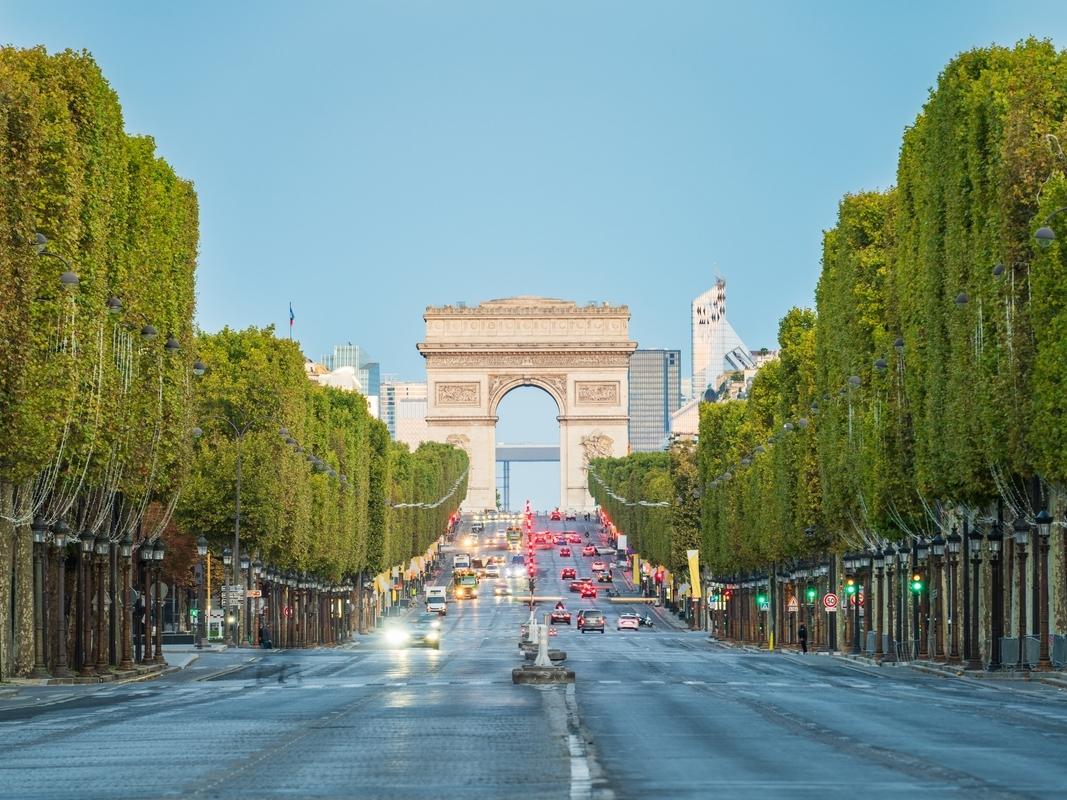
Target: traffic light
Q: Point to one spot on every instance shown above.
(917, 584)
(194, 613)
(532, 584)
(810, 593)
(727, 594)
(850, 586)
(761, 599)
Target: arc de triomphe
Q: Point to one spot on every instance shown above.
(580, 355)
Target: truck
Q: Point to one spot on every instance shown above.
(461, 561)
(464, 584)
(514, 538)
(437, 600)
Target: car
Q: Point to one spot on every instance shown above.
(589, 550)
(570, 515)
(560, 539)
(567, 572)
(501, 589)
(605, 577)
(491, 571)
(573, 537)
(628, 622)
(555, 516)
(560, 615)
(587, 590)
(591, 619)
(565, 552)
(605, 550)
(598, 566)
(424, 630)
(578, 583)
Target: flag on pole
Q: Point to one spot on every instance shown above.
(292, 317)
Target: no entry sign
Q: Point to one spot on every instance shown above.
(829, 600)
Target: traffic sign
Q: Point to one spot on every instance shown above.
(254, 593)
(792, 605)
(856, 599)
(829, 600)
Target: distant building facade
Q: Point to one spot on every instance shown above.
(402, 400)
(655, 393)
(717, 348)
(352, 355)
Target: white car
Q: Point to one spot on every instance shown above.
(628, 622)
(598, 566)
(491, 571)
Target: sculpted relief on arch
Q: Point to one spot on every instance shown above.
(595, 445)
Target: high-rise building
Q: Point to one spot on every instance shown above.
(401, 400)
(352, 355)
(655, 393)
(716, 346)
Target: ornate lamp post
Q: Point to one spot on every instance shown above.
(83, 653)
(974, 545)
(996, 539)
(103, 550)
(244, 578)
(39, 529)
(1021, 533)
(903, 561)
(157, 553)
(60, 530)
(201, 597)
(255, 603)
(851, 562)
(953, 544)
(231, 612)
(920, 606)
(126, 551)
(937, 553)
(890, 553)
(879, 567)
(1043, 521)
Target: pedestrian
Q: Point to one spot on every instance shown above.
(264, 638)
(802, 637)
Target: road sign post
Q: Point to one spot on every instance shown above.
(829, 601)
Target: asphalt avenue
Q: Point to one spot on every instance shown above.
(659, 712)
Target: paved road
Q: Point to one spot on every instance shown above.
(658, 713)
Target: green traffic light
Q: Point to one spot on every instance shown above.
(917, 583)
(850, 587)
(761, 599)
(811, 593)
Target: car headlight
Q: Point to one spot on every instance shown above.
(435, 623)
(396, 636)
(432, 635)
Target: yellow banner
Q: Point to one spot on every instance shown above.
(694, 572)
(637, 569)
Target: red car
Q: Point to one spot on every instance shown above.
(589, 550)
(555, 516)
(578, 583)
(567, 572)
(560, 615)
(587, 590)
(564, 551)
(574, 538)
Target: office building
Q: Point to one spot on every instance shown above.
(717, 348)
(352, 355)
(655, 393)
(402, 400)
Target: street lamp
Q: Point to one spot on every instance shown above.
(103, 549)
(158, 553)
(1021, 534)
(937, 551)
(83, 636)
(1045, 235)
(996, 539)
(903, 562)
(879, 567)
(126, 551)
(1043, 521)
(227, 559)
(953, 545)
(201, 597)
(39, 529)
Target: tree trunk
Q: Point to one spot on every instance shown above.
(23, 574)
(7, 555)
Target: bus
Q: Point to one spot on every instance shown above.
(514, 538)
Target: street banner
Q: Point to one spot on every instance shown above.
(694, 572)
(637, 569)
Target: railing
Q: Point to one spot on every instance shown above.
(1058, 650)
(872, 643)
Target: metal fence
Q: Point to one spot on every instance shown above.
(1058, 650)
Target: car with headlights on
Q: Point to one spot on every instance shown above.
(422, 631)
(587, 590)
(501, 589)
(589, 550)
(565, 552)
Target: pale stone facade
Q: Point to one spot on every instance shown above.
(578, 354)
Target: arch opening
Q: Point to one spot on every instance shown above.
(527, 433)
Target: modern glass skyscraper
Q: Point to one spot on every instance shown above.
(655, 392)
(352, 355)
(716, 346)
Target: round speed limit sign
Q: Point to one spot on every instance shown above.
(830, 601)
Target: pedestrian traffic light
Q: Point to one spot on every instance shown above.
(761, 599)
(194, 613)
(917, 582)
(850, 586)
(810, 593)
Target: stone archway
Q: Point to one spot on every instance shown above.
(580, 355)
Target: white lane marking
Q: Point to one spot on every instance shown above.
(398, 683)
(353, 685)
(651, 681)
(696, 683)
(737, 683)
(776, 684)
(581, 785)
(610, 681)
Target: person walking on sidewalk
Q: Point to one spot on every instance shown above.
(802, 637)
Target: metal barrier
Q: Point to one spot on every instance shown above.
(1031, 651)
(1058, 650)
(906, 650)
(872, 643)
(1009, 652)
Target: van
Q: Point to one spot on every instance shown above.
(461, 561)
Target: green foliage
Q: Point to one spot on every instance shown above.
(295, 516)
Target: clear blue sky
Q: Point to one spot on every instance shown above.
(365, 159)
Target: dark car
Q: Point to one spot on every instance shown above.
(605, 577)
(567, 572)
(560, 615)
(591, 619)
